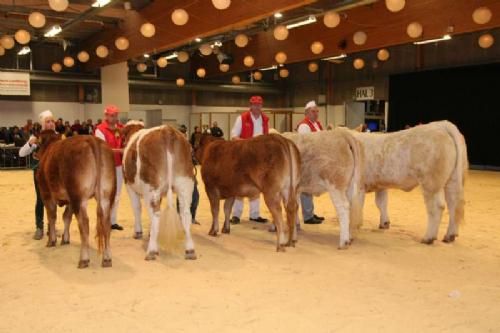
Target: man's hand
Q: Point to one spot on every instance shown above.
(33, 141)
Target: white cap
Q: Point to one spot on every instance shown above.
(311, 104)
(45, 114)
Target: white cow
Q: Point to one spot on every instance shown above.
(433, 156)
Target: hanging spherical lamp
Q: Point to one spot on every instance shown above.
(248, 61)
(22, 36)
(182, 56)
(331, 19)
(280, 57)
(56, 67)
(58, 5)
(317, 47)
(414, 30)
(395, 5)
(221, 4)
(2, 51)
(148, 30)
(180, 82)
(383, 55)
(235, 79)
(312, 67)
(122, 43)
(284, 73)
(206, 49)
(36, 20)
(358, 63)
(162, 62)
(102, 51)
(83, 56)
(280, 32)
(141, 67)
(68, 61)
(486, 41)
(201, 72)
(257, 76)
(180, 16)
(241, 40)
(482, 15)
(7, 42)
(223, 67)
(359, 38)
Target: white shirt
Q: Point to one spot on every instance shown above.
(304, 128)
(27, 148)
(257, 127)
(99, 134)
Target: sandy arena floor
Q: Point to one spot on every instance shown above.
(386, 282)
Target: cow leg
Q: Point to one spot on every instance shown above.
(291, 208)
(455, 204)
(341, 204)
(83, 225)
(51, 209)
(434, 202)
(135, 201)
(153, 202)
(185, 187)
(68, 213)
(381, 199)
(214, 206)
(228, 207)
(273, 202)
(105, 220)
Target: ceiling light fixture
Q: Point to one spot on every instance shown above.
(428, 41)
(197, 39)
(100, 3)
(340, 56)
(55, 30)
(146, 55)
(278, 15)
(25, 50)
(171, 56)
(269, 68)
(310, 19)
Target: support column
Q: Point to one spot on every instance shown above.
(115, 88)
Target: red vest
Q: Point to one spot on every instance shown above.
(247, 125)
(113, 138)
(310, 124)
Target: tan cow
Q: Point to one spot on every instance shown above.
(433, 156)
(332, 161)
(267, 164)
(71, 172)
(157, 162)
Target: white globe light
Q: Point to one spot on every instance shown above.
(280, 32)
(284, 73)
(395, 5)
(236, 79)
(331, 19)
(248, 61)
(102, 51)
(359, 37)
(182, 56)
(162, 62)
(414, 30)
(36, 20)
(7, 42)
(68, 61)
(201, 72)
(180, 82)
(180, 17)
(206, 49)
(482, 15)
(22, 36)
(223, 67)
(313, 67)
(241, 40)
(58, 5)
(486, 41)
(383, 55)
(56, 67)
(122, 43)
(257, 76)
(317, 47)
(141, 67)
(83, 56)
(221, 4)
(2, 51)
(148, 30)
(280, 57)
(358, 63)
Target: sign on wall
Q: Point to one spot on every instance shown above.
(364, 94)
(17, 84)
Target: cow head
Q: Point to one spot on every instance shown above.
(205, 140)
(45, 139)
(130, 128)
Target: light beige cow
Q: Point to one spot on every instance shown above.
(433, 156)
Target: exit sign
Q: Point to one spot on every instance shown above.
(364, 93)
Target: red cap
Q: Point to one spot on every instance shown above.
(111, 109)
(256, 100)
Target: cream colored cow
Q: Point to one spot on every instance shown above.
(433, 156)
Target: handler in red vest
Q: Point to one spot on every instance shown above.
(110, 131)
(251, 123)
(309, 124)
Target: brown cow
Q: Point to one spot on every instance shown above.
(267, 164)
(70, 173)
(156, 162)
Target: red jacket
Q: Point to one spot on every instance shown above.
(247, 125)
(310, 124)
(113, 138)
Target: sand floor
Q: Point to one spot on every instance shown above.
(386, 282)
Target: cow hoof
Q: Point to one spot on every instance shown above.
(449, 239)
(190, 255)
(83, 263)
(212, 233)
(226, 231)
(281, 248)
(151, 256)
(384, 225)
(291, 243)
(107, 263)
(345, 245)
(64, 242)
(51, 243)
(138, 235)
(428, 241)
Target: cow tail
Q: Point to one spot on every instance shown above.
(292, 204)
(457, 179)
(101, 228)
